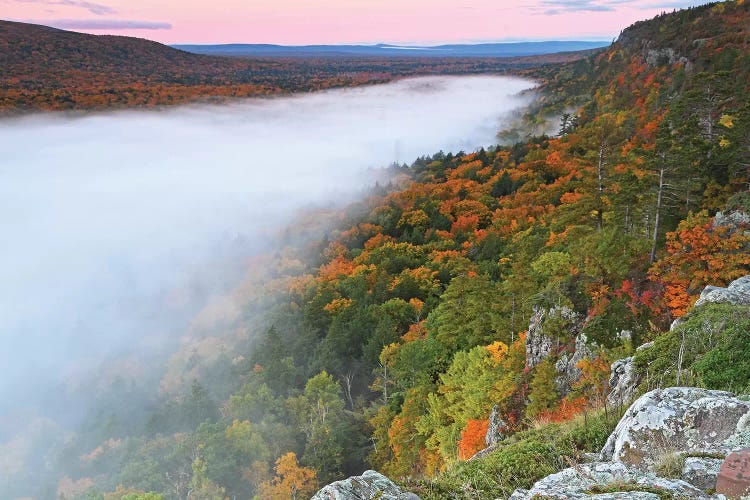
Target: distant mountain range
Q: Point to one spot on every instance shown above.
(516, 49)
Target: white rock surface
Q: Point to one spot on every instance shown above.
(737, 293)
(678, 419)
(369, 486)
(577, 482)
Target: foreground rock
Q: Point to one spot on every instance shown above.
(678, 420)
(734, 476)
(369, 486)
(608, 481)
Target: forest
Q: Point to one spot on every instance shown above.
(388, 342)
(52, 70)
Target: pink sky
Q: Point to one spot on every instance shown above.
(342, 21)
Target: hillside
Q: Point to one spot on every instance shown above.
(477, 299)
(51, 69)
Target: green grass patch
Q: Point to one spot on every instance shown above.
(520, 461)
(622, 487)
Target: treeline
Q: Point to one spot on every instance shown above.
(389, 342)
(49, 69)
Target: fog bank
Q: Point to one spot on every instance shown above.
(102, 214)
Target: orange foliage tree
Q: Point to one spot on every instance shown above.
(472, 438)
(699, 253)
(291, 482)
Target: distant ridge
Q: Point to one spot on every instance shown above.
(515, 49)
(52, 69)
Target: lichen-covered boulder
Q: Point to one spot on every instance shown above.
(678, 420)
(736, 293)
(606, 480)
(369, 486)
(701, 472)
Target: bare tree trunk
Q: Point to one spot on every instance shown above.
(513, 319)
(600, 175)
(680, 355)
(657, 215)
(348, 380)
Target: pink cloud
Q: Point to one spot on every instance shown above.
(347, 21)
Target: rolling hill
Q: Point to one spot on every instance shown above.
(51, 69)
(518, 49)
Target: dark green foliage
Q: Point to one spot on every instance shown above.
(715, 351)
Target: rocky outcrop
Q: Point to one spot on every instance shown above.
(496, 429)
(701, 472)
(549, 334)
(681, 420)
(608, 481)
(734, 475)
(624, 380)
(734, 221)
(540, 340)
(369, 486)
(736, 293)
(666, 56)
(567, 365)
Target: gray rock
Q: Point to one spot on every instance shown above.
(539, 343)
(519, 494)
(734, 220)
(736, 293)
(496, 429)
(647, 345)
(679, 420)
(589, 458)
(623, 382)
(702, 472)
(577, 482)
(625, 335)
(567, 366)
(665, 56)
(369, 486)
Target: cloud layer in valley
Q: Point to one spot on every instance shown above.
(104, 214)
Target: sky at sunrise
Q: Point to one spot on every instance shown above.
(342, 21)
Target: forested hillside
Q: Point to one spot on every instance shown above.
(388, 343)
(49, 69)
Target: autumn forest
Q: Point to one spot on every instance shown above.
(387, 340)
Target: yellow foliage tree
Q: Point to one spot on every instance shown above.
(291, 482)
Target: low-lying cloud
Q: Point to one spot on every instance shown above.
(103, 214)
(102, 24)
